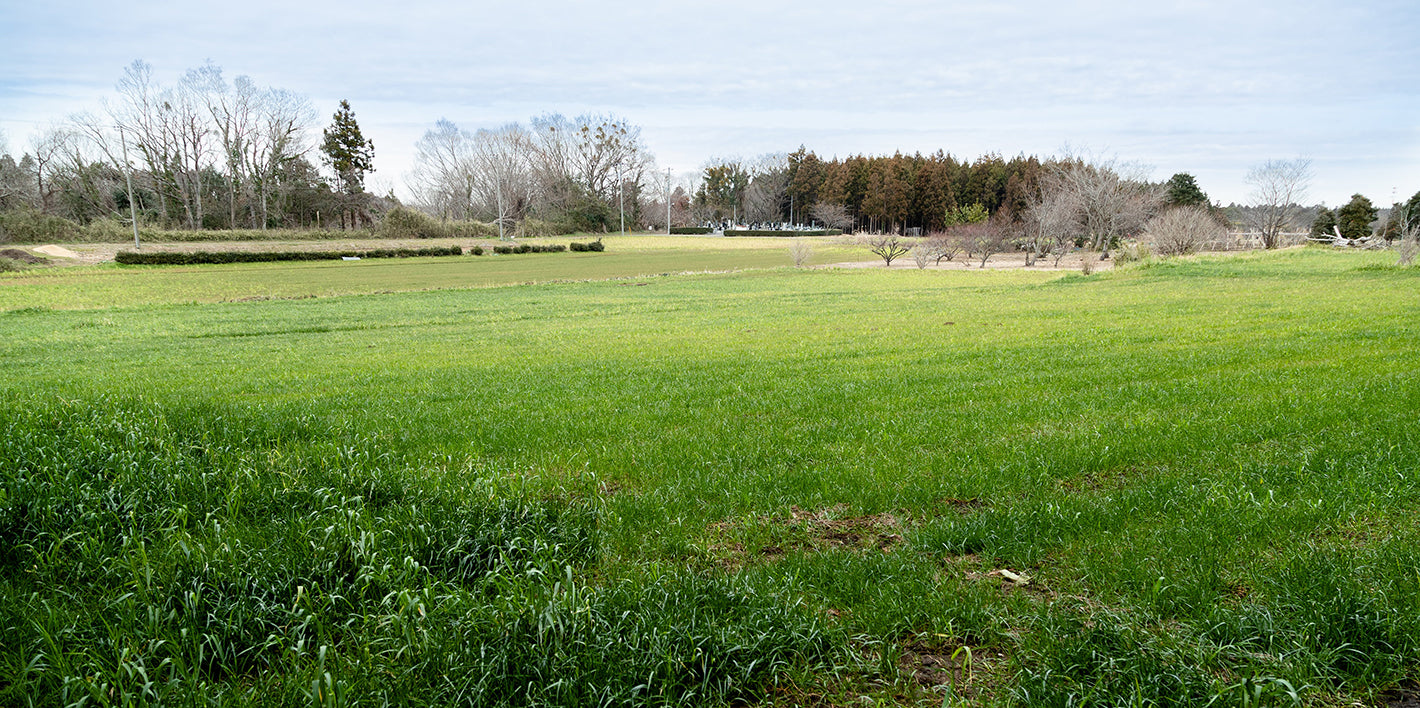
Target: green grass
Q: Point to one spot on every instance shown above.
(575, 493)
(627, 257)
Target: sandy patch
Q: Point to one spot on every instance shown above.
(56, 251)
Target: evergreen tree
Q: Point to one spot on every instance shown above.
(1183, 190)
(1355, 217)
(347, 151)
(1325, 220)
(1411, 217)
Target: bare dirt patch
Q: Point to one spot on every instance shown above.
(953, 668)
(961, 506)
(23, 256)
(1405, 696)
(56, 251)
(1000, 261)
(804, 530)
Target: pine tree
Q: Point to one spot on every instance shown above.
(1411, 218)
(1325, 221)
(347, 151)
(1355, 217)
(1183, 190)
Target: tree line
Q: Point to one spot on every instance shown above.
(208, 153)
(202, 153)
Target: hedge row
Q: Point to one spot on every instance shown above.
(689, 230)
(596, 245)
(134, 258)
(530, 248)
(787, 234)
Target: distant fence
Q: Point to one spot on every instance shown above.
(1251, 241)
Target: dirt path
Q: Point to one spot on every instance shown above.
(1000, 261)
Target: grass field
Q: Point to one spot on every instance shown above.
(628, 256)
(1190, 483)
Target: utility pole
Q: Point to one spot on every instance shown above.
(668, 201)
(128, 175)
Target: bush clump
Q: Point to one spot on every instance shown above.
(592, 246)
(533, 228)
(199, 257)
(530, 248)
(29, 226)
(1183, 230)
(689, 230)
(403, 222)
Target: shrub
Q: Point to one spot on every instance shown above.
(588, 213)
(477, 251)
(1183, 230)
(403, 222)
(530, 248)
(1133, 253)
(106, 231)
(596, 246)
(800, 251)
(689, 230)
(542, 228)
(29, 226)
(197, 257)
(472, 229)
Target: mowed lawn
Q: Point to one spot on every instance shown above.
(1190, 482)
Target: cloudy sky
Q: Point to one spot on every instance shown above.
(1197, 86)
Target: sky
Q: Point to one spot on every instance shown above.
(1198, 86)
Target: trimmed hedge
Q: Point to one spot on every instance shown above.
(596, 246)
(197, 257)
(785, 234)
(689, 230)
(530, 248)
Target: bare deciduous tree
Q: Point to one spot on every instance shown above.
(924, 253)
(1183, 230)
(1108, 200)
(141, 121)
(1051, 223)
(888, 247)
(833, 216)
(944, 246)
(1278, 185)
(46, 149)
(1408, 240)
(442, 178)
(991, 237)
